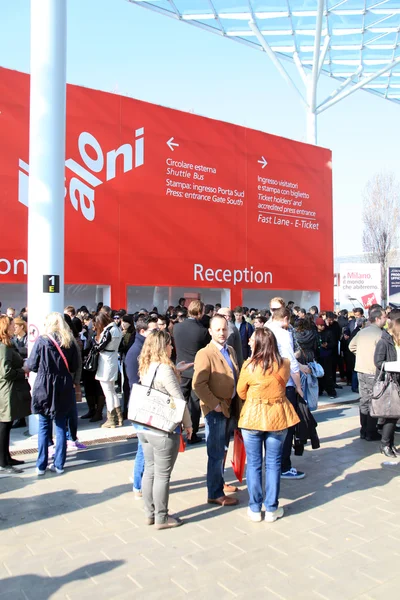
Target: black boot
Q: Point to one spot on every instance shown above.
(19, 423)
(371, 434)
(363, 423)
(91, 402)
(388, 451)
(98, 416)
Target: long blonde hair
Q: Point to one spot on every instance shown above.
(155, 350)
(55, 325)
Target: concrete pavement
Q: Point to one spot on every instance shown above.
(82, 534)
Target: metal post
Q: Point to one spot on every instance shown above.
(313, 78)
(311, 121)
(46, 162)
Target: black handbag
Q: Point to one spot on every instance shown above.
(385, 401)
(92, 360)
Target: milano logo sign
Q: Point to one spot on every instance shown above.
(81, 189)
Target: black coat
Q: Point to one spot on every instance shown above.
(385, 351)
(306, 429)
(326, 337)
(336, 331)
(132, 360)
(53, 391)
(190, 336)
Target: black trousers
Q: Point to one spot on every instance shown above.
(5, 428)
(193, 402)
(327, 382)
(287, 444)
(388, 429)
(126, 390)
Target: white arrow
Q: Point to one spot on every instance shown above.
(263, 162)
(171, 144)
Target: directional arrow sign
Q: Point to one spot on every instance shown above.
(263, 162)
(171, 144)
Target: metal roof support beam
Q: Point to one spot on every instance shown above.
(358, 86)
(300, 67)
(313, 77)
(253, 26)
(323, 54)
(341, 87)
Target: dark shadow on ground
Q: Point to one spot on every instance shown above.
(14, 512)
(43, 588)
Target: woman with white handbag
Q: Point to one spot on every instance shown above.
(159, 447)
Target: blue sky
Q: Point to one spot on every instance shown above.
(116, 46)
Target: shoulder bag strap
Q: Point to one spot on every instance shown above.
(152, 381)
(279, 380)
(59, 350)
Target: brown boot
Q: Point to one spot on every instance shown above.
(110, 423)
(98, 415)
(119, 417)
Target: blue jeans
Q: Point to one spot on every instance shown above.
(45, 433)
(138, 467)
(354, 382)
(216, 425)
(272, 442)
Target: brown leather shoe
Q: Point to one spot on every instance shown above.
(230, 489)
(224, 501)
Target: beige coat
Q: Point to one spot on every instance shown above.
(213, 379)
(363, 346)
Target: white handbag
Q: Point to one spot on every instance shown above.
(154, 409)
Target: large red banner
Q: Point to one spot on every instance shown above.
(155, 196)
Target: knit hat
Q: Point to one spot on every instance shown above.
(319, 321)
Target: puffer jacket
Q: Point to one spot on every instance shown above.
(308, 342)
(265, 407)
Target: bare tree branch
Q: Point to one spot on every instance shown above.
(381, 215)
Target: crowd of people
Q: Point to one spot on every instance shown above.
(257, 370)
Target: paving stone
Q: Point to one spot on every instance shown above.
(83, 534)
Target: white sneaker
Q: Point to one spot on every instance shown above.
(254, 516)
(39, 472)
(54, 469)
(270, 517)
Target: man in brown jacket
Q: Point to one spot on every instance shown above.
(215, 378)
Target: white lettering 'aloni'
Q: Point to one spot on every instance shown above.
(234, 276)
(82, 184)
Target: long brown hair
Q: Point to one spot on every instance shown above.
(100, 323)
(155, 350)
(266, 352)
(395, 331)
(4, 325)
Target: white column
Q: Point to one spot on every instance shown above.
(46, 159)
(311, 114)
(226, 298)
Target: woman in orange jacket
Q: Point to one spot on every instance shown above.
(264, 419)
